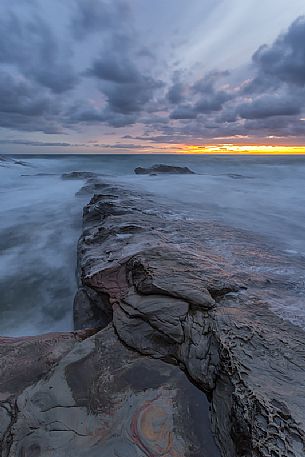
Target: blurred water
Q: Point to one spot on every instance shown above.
(41, 218)
(39, 226)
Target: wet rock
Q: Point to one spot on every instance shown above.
(5, 420)
(103, 399)
(91, 188)
(175, 298)
(161, 168)
(39, 174)
(79, 175)
(238, 176)
(91, 309)
(25, 360)
(7, 161)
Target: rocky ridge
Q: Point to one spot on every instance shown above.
(160, 300)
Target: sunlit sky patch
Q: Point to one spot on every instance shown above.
(153, 76)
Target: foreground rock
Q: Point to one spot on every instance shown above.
(164, 298)
(23, 363)
(98, 398)
(175, 297)
(161, 168)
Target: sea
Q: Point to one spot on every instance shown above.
(41, 219)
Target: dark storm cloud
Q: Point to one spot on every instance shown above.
(285, 58)
(176, 93)
(210, 98)
(17, 96)
(130, 146)
(38, 143)
(24, 106)
(206, 97)
(184, 112)
(90, 115)
(126, 87)
(212, 102)
(207, 83)
(277, 126)
(93, 144)
(208, 107)
(269, 102)
(115, 68)
(97, 16)
(30, 45)
(100, 65)
(268, 106)
(128, 98)
(277, 88)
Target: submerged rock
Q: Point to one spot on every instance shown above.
(161, 168)
(91, 187)
(79, 175)
(6, 161)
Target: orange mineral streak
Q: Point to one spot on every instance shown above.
(151, 428)
(243, 149)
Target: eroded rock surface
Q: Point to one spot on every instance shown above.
(102, 399)
(164, 300)
(177, 298)
(23, 363)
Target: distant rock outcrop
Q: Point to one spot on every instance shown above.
(6, 161)
(161, 168)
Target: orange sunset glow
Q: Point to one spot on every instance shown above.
(244, 149)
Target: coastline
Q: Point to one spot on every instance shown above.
(163, 293)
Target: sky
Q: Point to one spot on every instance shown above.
(152, 76)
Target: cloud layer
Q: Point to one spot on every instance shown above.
(90, 67)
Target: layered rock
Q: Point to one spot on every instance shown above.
(103, 399)
(88, 394)
(177, 298)
(23, 363)
(168, 300)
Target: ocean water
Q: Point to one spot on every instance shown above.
(41, 219)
